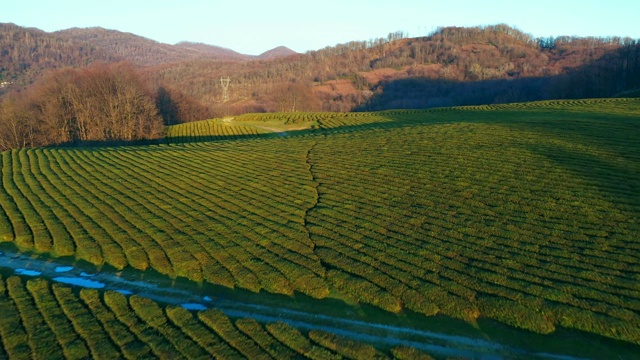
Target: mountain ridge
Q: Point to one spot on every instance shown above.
(279, 51)
(148, 52)
(451, 66)
(25, 52)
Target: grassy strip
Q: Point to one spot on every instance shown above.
(348, 348)
(295, 340)
(73, 347)
(85, 324)
(220, 323)
(268, 343)
(128, 343)
(14, 335)
(41, 339)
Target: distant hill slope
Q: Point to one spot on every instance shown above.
(211, 51)
(26, 52)
(452, 66)
(127, 46)
(280, 51)
(143, 51)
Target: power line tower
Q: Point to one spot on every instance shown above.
(225, 88)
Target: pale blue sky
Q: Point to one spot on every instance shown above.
(252, 27)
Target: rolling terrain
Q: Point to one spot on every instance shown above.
(525, 214)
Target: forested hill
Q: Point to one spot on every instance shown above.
(26, 52)
(452, 66)
(143, 51)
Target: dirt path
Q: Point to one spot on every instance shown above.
(280, 132)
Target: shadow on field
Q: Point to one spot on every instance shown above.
(288, 133)
(427, 93)
(107, 143)
(619, 180)
(602, 149)
(162, 141)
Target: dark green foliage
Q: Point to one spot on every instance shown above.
(149, 312)
(129, 344)
(298, 342)
(72, 345)
(345, 347)
(266, 341)
(197, 331)
(220, 323)
(41, 339)
(408, 353)
(515, 314)
(85, 324)
(14, 335)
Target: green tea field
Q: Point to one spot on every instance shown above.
(523, 214)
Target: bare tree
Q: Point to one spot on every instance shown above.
(295, 96)
(102, 102)
(17, 125)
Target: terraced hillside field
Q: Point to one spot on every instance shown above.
(527, 214)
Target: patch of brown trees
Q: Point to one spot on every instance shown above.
(104, 102)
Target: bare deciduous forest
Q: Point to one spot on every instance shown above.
(179, 83)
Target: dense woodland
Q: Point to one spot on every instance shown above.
(451, 66)
(102, 102)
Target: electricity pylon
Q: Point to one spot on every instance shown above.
(225, 88)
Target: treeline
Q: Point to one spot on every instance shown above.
(99, 103)
(283, 84)
(25, 53)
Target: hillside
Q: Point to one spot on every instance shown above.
(280, 51)
(143, 51)
(526, 214)
(210, 51)
(452, 66)
(27, 52)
